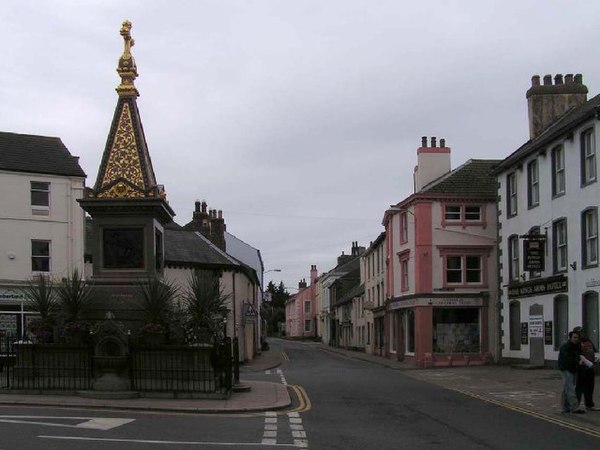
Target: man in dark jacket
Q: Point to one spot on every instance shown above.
(568, 360)
(585, 371)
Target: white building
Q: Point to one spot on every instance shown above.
(548, 223)
(42, 224)
(372, 273)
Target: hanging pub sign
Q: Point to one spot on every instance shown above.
(534, 246)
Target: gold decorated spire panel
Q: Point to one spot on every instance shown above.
(124, 161)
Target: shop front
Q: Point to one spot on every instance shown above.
(13, 314)
(440, 331)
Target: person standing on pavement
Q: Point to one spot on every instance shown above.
(568, 360)
(585, 371)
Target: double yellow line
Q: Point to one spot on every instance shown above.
(304, 402)
(554, 420)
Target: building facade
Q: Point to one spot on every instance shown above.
(548, 216)
(372, 272)
(300, 310)
(441, 264)
(42, 224)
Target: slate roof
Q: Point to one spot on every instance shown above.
(562, 126)
(475, 177)
(355, 291)
(191, 248)
(37, 154)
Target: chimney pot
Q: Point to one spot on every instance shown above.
(569, 78)
(197, 209)
(547, 80)
(424, 141)
(204, 205)
(578, 78)
(535, 80)
(433, 142)
(220, 214)
(558, 79)
(442, 142)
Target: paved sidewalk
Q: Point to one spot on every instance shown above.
(262, 396)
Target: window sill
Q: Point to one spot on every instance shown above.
(585, 184)
(40, 211)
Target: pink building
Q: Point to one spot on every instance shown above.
(441, 277)
(300, 309)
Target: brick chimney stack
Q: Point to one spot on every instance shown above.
(547, 102)
(313, 274)
(432, 162)
(210, 223)
(302, 284)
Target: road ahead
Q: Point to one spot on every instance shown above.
(349, 405)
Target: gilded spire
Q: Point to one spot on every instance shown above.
(127, 69)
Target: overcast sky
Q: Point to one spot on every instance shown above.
(300, 119)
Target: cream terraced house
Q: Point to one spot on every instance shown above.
(41, 223)
(548, 224)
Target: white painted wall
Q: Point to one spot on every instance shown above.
(570, 205)
(63, 225)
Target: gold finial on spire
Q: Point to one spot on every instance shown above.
(127, 69)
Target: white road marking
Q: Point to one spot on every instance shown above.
(95, 423)
(152, 441)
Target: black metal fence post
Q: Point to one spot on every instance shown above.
(236, 360)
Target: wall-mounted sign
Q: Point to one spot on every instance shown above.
(592, 283)
(534, 251)
(542, 286)
(536, 326)
(548, 332)
(524, 333)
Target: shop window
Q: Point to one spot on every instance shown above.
(561, 320)
(456, 330)
(410, 331)
(514, 317)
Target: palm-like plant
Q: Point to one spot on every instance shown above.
(204, 303)
(40, 297)
(157, 300)
(75, 297)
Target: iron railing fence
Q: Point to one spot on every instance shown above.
(174, 369)
(48, 367)
(182, 369)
